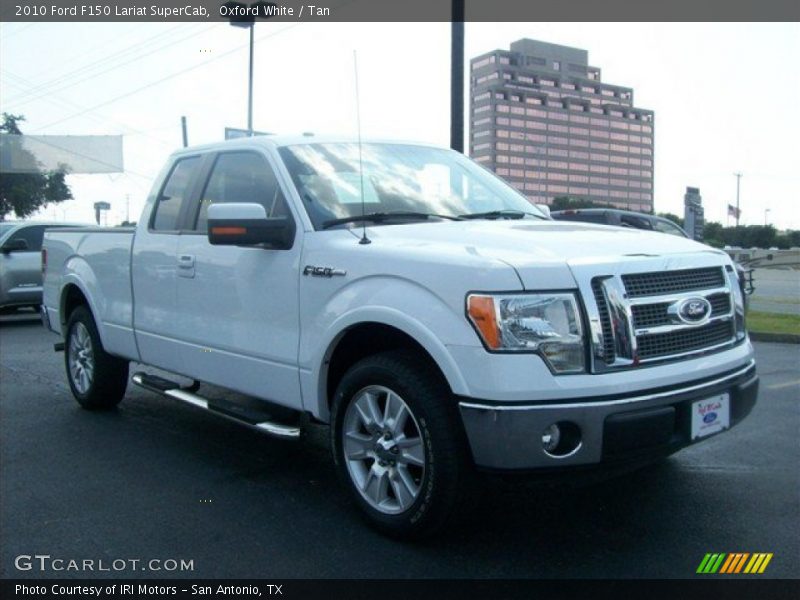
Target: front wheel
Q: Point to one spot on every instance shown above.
(399, 446)
(96, 378)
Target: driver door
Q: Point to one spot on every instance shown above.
(239, 316)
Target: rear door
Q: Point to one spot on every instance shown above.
(21, 270)
(155, 266)
(239, 305)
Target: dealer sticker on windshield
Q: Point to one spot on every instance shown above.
(710, 415)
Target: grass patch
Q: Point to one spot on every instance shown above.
(764, 322)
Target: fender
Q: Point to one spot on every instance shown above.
(315, 384)
(77, 272)
(117, 338)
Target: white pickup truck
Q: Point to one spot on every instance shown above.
(438, 321)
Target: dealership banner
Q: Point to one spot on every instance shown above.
(396, 10)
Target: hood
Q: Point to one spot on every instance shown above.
(532, 245)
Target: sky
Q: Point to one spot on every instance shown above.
(725, 95)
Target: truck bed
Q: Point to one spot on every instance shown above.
(97, 258)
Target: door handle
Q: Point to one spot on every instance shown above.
(186, 261)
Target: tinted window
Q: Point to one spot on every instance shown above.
(637, 222)
(585, 217)
(32, 235)
(241, 177)
(174, 192)
(668, 227)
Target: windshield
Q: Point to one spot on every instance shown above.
(5, 228)
(397, 178)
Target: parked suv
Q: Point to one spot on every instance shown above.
(620, 218)
(20, 264)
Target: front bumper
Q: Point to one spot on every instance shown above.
(626, 427)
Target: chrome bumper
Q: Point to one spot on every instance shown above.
(509, 436)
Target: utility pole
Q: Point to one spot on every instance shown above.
(457, 76)
(766, 212)
(185, 133)
(738, 176)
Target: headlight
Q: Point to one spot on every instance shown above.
(546, 323)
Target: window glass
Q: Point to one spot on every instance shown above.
(398, 177)
(668, 227)
(243, 177)
(173, 194)
(32, 236)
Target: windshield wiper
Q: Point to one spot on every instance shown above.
(506, 213)
(381, 217)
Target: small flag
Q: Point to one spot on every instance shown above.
(733, 211)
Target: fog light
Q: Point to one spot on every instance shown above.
(551, 437)
(561, 439)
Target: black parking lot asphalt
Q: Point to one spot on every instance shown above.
(159, 480)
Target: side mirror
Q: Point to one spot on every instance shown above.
(15, 245)
(247, 224)
(545, 209)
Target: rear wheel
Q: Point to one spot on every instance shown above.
(97, 379)
(399, 446)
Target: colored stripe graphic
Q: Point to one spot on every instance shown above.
(711, 563)
(741, 562)
(731, 560)
(734, 563)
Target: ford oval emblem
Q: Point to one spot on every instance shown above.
(710, 417)
(694, 310)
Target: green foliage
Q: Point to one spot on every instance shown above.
(748, 236)
(25, 193)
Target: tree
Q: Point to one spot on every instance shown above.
(713, 234)
(25, 193)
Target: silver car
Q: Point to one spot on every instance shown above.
(21, 262)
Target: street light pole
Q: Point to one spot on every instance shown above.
(738, 212)
(766, 211)
(457, 76)
(245, 16)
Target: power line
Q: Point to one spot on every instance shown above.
(39, 93)
(18, 30)
(105, 59)
(59, 101)
(163, 79)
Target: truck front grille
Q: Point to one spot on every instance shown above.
(638, 315)
(605, 320)
(656, 315)
(668, 282)
(686, 340)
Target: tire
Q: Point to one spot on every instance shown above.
(408, 473)
(97, 379)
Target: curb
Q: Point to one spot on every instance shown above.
(780, 338)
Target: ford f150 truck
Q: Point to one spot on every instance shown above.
(422, 307)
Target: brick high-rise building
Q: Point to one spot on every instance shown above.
(541, 118)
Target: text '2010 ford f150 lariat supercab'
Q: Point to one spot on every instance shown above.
(438, 321)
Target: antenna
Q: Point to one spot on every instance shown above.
(364, 239)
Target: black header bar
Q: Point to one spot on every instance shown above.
(398, 10)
